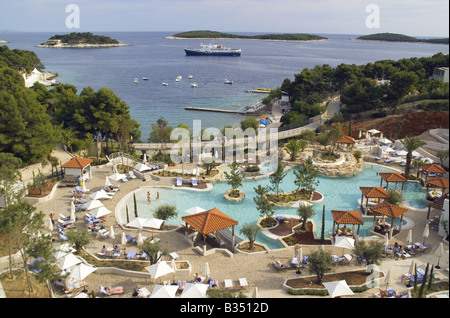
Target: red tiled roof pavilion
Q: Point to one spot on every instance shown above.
(347, 217)
(210, 221)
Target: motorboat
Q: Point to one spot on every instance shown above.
(194, 85)
(228, 81)
(145, 78)
(165, 84)
(190, 76)
(136, 80)
(178, 78)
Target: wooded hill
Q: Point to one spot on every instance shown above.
(394, 37)
(282, 37)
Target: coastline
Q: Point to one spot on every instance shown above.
(82, 45)
(273, 40)
(385, 41)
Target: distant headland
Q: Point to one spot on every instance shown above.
(80, 40)
(393, 37)
(268, 37)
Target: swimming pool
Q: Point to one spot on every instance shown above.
(339, 194)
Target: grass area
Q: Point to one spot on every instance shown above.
(17, 287)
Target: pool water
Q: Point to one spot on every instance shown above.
(339, 194)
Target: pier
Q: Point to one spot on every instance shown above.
(217, 110)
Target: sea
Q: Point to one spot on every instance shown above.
(263, 64)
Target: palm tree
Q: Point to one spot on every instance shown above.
(411, 144)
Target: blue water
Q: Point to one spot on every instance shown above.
(262, 64)
(339, 194)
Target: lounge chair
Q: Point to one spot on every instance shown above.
(337, 259)
(131, 255)
(388, 160)
(378, 158)
(179, 182)
(132, 175)
(194, 182)
(243, 282)
(228, 283)
(111, 291)
(63, 237)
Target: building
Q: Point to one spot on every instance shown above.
(78, 167)
(440, 72)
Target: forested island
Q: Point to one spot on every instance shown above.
(273, 37)
(393, 37)
(86, 39)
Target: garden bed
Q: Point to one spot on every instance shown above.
(353, 278)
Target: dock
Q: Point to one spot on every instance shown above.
(217, 110)
(254, 109)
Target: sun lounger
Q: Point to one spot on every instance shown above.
(243, 282)
(179, 182)
(132, 175)
(131, 255)
(379, 158)
(228, 283)
(111, 291)
(63, 237)
(194, 182)
(388, 160)
(337, 259)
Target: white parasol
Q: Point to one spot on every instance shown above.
(81, 271)
(338, 288)
(164, 291)
(67, 261)
(159, 269)
(93, 204)
(100, 212)
(195, 209)
(192, 290)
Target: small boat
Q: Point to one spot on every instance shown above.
(178, 78)
(165, 84)
(194, 85)
(228, 81)
(190, 76)
(136, 80)
(145, 78)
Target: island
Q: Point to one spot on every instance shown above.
(80, 40)
(394, 37)
(270, 37)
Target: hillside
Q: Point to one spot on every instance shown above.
(205, 34)
(394, 37)
(412, 125)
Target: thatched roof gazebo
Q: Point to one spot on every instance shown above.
(395, 177)
(208, 222)
(347, 217)
(390, 210)
(375, 193)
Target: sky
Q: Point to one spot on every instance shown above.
(423, 18)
